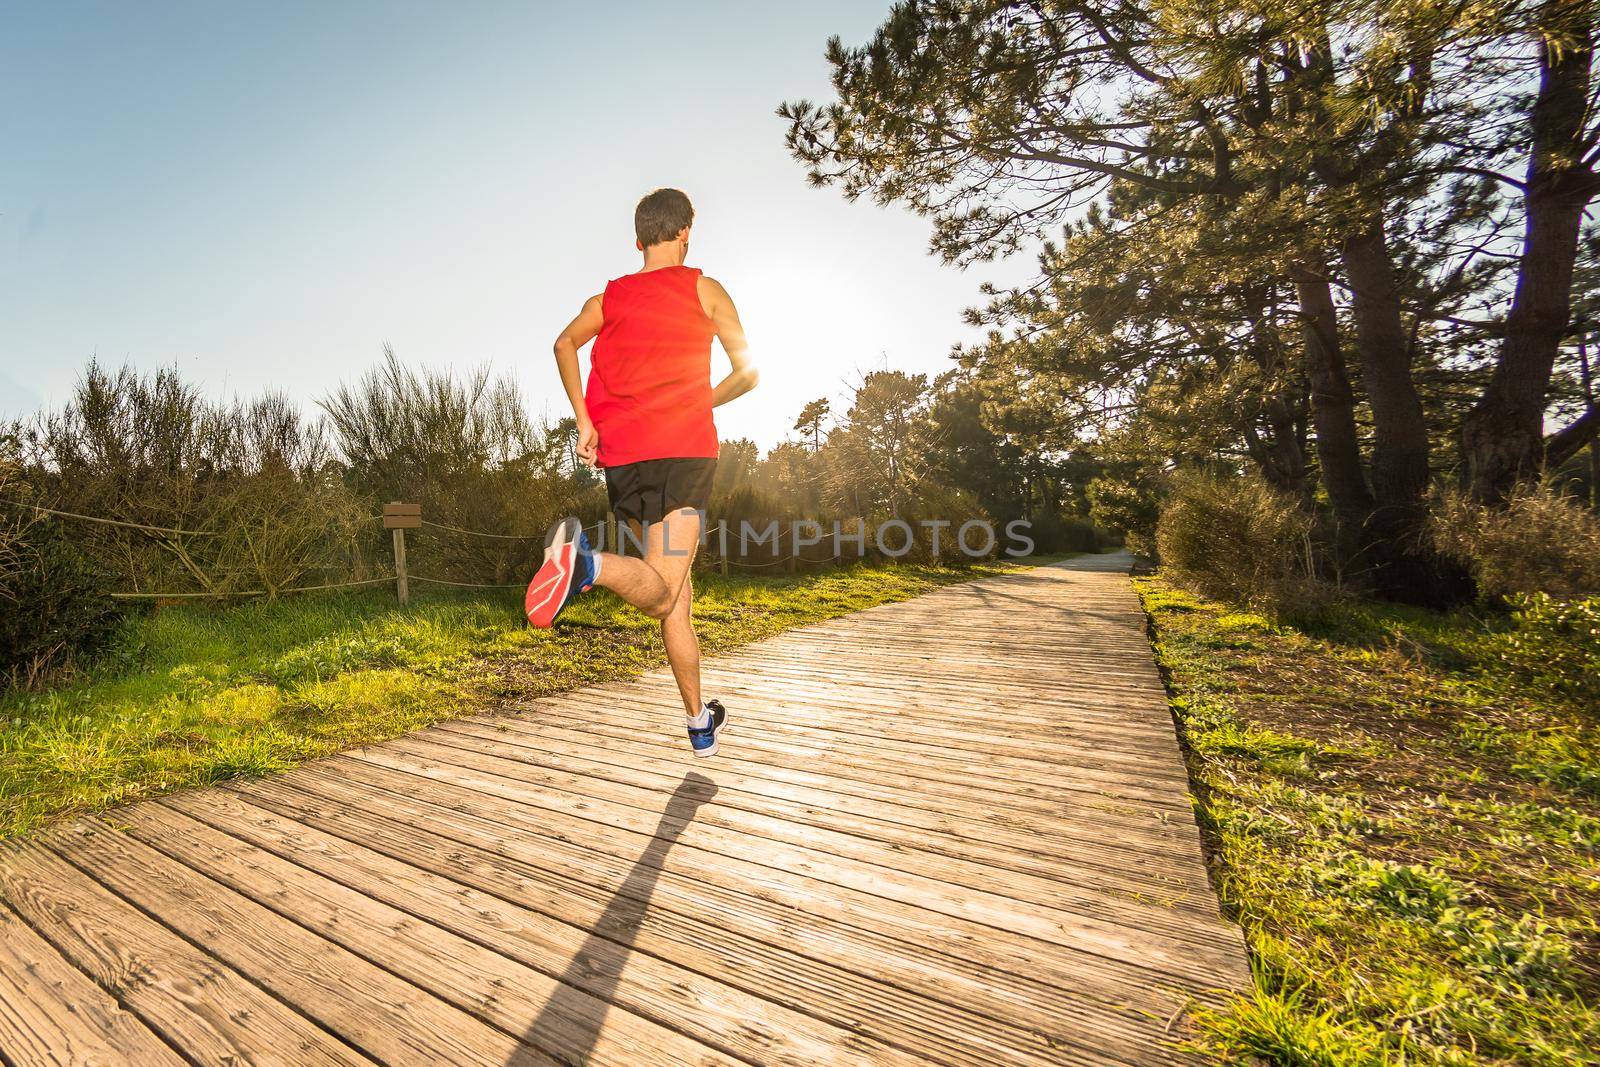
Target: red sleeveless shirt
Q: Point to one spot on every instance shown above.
(649, 393)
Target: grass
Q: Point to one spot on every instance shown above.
(193, 695)
(1409, 836)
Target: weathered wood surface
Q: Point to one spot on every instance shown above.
(955, 829)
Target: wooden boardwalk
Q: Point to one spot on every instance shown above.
(955, 829)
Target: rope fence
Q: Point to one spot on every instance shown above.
(123, 522)
(467, 585)
(254, 592)
(482, 533)
(114, 522)
(399, 518)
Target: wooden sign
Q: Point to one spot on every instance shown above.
(402, 516)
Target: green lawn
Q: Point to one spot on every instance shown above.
(194, 695)
(1410, 839)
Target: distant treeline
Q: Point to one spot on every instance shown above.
(247, 495)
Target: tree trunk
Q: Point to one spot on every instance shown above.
(1403, 565)
(1400, 432)
(1399, 469)
(1333, 415)
(1502, 437)
(1279, 451)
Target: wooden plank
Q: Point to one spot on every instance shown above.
(706, 992)
(602, 718)
(879, 763)
(1037, 755)
(398, 516)
(1072, 918)
(910, 802)
(924, 691)
(575, 1021)
(368, 1007)
(1033, 826)
(860, 975)
(972, 822)
(1091, 870)
(771, 876)
(199, 1004)
(51, 1013)
(770, 711)
(1004, 775)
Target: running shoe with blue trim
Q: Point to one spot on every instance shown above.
(703, 739)
(568, 570)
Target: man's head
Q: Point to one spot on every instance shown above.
(662, 216)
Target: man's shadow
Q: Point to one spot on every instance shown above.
(569, 1024)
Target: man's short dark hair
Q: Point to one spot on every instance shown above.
(661, 215)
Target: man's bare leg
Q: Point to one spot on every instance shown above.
(652, 584)
(683, 649)
(635, 581)
(670, 549)
(659, 585)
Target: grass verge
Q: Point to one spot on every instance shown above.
(1410, 840)
(193, 695)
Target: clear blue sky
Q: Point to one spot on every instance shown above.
(264, 194)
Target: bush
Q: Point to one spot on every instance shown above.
(1240, 540)
(1129, 506)
(1554, 647)
(935, 503)
(277, 531)
(53, 603)
(1541, 541)
(254, 481)
(464, 447)
(1054, 532)
(749, 505)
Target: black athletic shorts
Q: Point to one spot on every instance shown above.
(651, 489)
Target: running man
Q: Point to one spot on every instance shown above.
(646, 419)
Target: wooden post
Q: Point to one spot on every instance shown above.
(722, 545)
(794, 553)
(399, 518)
(402, 588)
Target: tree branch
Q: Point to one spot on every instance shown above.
(1562, 446)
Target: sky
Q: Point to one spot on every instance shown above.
(264, 195)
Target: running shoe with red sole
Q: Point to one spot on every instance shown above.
(568, 570)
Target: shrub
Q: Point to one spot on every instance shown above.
(1237, 539)
(53, 604)
(253, 479)
(1053, 532)
(277, 531)
(935, 503)
(747, 504)
(464, 447)
(1129, 506)
(1541, 541)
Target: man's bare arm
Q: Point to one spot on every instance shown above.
(719, 306)
(579, 332)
